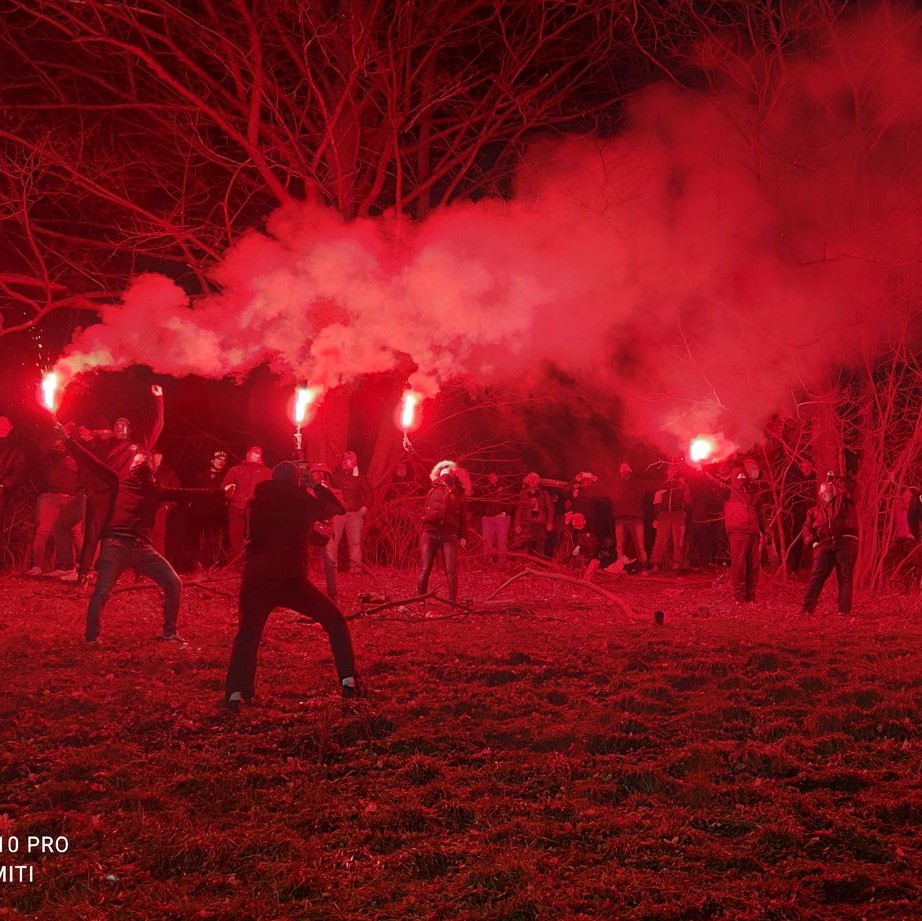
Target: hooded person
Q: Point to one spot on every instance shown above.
(275, 574)
(126, 533)
(444, 524)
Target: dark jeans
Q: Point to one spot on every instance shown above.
(257, 602)
(840, 555)
(69, 522)
(95, 509)
(429, 543)
(117, 555)
(745, 564)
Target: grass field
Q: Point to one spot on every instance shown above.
(548, 756)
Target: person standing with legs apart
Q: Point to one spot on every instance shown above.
(831, 529)
(444, 524)
(275, 575)
(126, 534)
(116, 448)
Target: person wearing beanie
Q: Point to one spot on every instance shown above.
(275, 574)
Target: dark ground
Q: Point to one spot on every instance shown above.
(546, 757)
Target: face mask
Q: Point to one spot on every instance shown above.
(752, 473)
(122, 429)
(254, 457)
(140, 467)
(827, 492)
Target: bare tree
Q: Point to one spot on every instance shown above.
(151, 134)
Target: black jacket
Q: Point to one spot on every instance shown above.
(281, 518)
(446, 511)
(136, 498)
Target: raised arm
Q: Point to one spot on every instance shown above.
(157, 393)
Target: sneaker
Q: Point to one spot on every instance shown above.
(351, 690)
(74, 577)
(61, 573)
(34, 571)
(171, 638)
(232, 703)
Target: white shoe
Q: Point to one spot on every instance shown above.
(71, 576)
(34, 571)
(61, 573)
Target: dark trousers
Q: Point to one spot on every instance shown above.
(745, 564)
(257, 602)
(68, 526)
(97, 505)
(429, 544)
(117, 555)
(840, 555)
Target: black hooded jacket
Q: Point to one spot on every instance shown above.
(282, 515)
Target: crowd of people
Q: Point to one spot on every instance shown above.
(109, 502)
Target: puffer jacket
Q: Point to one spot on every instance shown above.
(828, 521)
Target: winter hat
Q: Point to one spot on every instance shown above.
(286, 472)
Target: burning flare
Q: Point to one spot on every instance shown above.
(409, 410)
(305, 399)
(50, 383)
(701, 448)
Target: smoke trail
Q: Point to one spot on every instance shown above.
(720, 254)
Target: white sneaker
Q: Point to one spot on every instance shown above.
(34, 571)
(61, 573)
(70, 577)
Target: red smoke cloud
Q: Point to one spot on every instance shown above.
(722, 253)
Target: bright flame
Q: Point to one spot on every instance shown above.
(49, 390)
(701, 448)
(305, 398)
(409, 410)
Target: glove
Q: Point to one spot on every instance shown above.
(156, 390)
